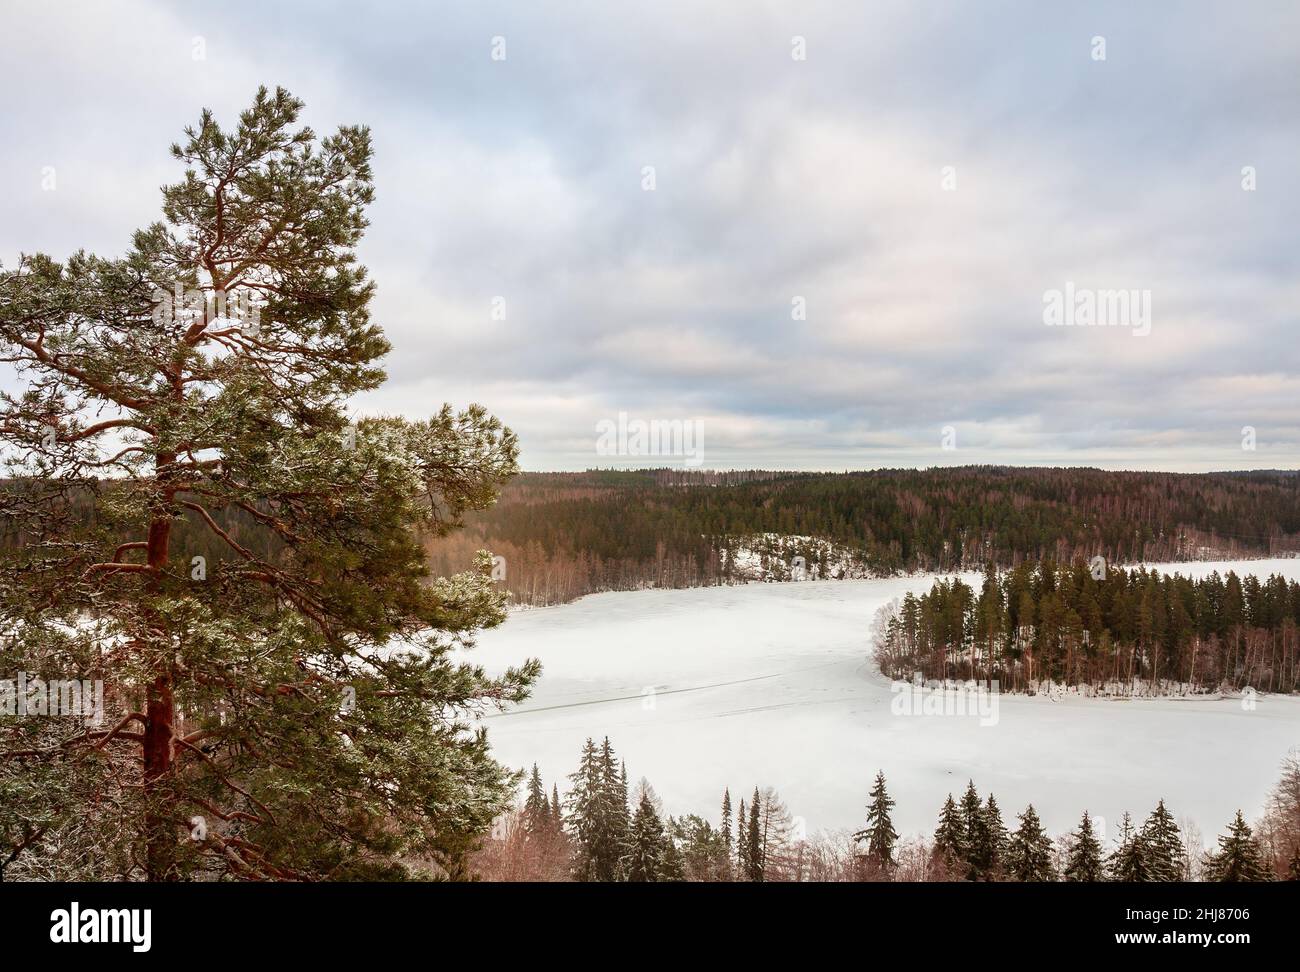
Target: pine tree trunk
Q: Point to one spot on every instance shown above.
(157, 768)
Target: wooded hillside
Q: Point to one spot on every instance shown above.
(563, 535)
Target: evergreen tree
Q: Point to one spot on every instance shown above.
(1129, 861)
(725, 833)
(281, 661)
(598, 815)
(743, 864)
(978, 850)
(879, 834)
(616, 784)
(537, 811)
(726, 818)
(996, 838)
(646, 843)
(1239, 857)
(600, 812)
(1029, 852)
(950, 837)
(674, 863)
(1083, 863)
(1165, 854)
(754, 835)
(595, 855)
(557, 814)
(701, 851)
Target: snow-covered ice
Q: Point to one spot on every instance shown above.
(773, 684)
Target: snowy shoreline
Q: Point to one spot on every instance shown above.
(770, 683)
(1166, 567)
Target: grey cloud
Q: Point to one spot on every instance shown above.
(775, 179)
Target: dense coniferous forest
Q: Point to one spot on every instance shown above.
(562, 535)
(607, 830)
(1103, 630)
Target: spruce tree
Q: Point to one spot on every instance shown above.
(742, 843)
(537, 811)
(1083, 863)
(616, 801)
(726, 818)
(1166, 857)
(593, 858)
(754, 835)
(996, 838)
(978, 851)
(1239, 857)
(557, 814)
(879, 834)
(1029, 851)
(1129, 861)
(950, 837)
(725, 831)
(598, 815)
(646, 843)
(207, 531)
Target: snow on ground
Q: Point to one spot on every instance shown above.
(771, 556)
(764, 684)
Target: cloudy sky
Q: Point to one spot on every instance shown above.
(918, 182)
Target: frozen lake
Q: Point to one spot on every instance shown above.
(772, 684)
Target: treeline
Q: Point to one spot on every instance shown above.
(1103, 630)
(563, 535)
(604, 831)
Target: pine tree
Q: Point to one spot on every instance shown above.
(1129, 861)
(256, 557)
(1084, 860)
(1239, 857)
(557, 814)
(1029, 852)
(646, 844)
(1165, 854)
(879, 834)
(754, 834)
(950, 837)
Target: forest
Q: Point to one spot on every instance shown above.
(607, 830)
(275, 595)
(563, 535)
(559, 536)
(1110, 631)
